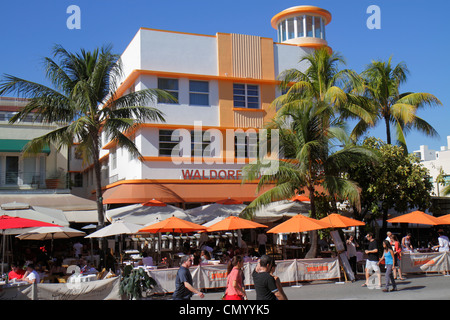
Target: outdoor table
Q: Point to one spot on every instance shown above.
(292, 252)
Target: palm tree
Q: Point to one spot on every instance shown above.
(311, 160)
(382, 83)
(85, 102)
(323, 83)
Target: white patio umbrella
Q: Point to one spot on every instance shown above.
(116, 228)
(143, 215)
(211, 211)
(50, 233)
(280, 209)
(24, 210)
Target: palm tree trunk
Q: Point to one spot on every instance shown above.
(388, 130)
(313, 250)
(98, 193)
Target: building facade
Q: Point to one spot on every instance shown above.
(438, 164)
(224, 85)
(19, 171)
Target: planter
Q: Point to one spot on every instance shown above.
(51, 183)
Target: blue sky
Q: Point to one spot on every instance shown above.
(412, 31)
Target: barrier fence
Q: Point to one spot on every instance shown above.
(214, 276)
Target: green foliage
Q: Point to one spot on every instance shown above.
(397, 181)
(135, 281)
(389, 106)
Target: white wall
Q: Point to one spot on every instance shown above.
(161, 50)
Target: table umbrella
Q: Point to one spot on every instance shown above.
(116, 228)
(299, 223)
(8, 222)
(234, 223)
(417, 217)
(51, 233)
(340, 221)
(229, 201)
(444, 219)
(172, 224)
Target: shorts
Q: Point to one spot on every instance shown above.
(372, 265)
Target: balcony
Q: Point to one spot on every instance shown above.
(30, 180)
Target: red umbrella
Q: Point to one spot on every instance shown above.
(7, 222)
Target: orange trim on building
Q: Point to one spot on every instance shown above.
(300, 10)
(183, 191)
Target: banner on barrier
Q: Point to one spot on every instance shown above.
(215, 276)
(107, 289)
(425, 262)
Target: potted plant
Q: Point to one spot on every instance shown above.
(52, 182)
(135, 282)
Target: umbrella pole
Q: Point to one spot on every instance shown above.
(3, 250)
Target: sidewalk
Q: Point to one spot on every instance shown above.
(414, 287)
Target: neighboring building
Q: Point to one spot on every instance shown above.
(18, 171)
(224, 84)
(436, 162)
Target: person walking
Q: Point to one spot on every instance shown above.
(397, 248)
(278, 281)
(183, 282)
(265, 284)
(388, 257)
(372, 260)
(235, 284)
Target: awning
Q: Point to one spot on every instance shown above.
(61, 201)
(11, 145)
(179, 192)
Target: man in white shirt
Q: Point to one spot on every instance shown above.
(443, 242)
(31, 276)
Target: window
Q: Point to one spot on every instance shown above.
(78, 180)
(282, 31)
(246, 96)
(198, 93)
(246, 145)
(300, 31)
(291, 28)
(166, 145)
(318, 27)
(171, 86)
(309, 26)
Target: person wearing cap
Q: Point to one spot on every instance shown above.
(265, 284)
(184, 288)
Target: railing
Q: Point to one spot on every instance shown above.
(32, 180)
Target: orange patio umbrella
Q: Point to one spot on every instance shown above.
(300, 198)
(417, 217)
(340, 221)
(154, 203)
(234, 223)
(172, 224)
(299, 223)
(229, 201)
(444, 219)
